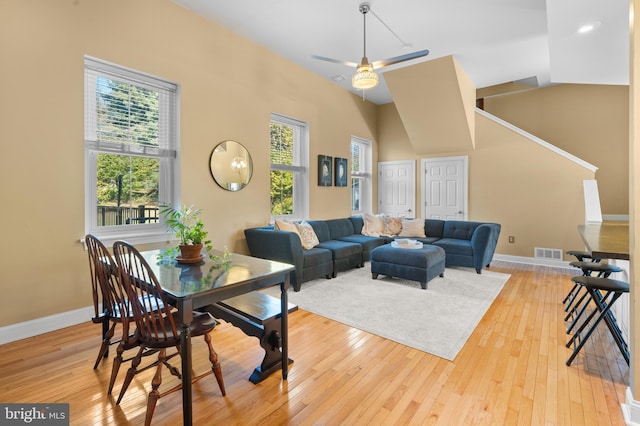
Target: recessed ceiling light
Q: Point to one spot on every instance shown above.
(588, 27)
(338, 77)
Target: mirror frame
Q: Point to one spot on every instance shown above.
(230, 153)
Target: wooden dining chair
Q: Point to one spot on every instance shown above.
(115, 308)
(104, 288)
(156, 324)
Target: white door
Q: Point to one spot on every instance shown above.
(445, 188)
(397, 188)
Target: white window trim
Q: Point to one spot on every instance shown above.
(169, 183)
(366, 202)
(301, 178)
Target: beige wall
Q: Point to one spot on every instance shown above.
(588, 121)
(535, 194)
(229, 86)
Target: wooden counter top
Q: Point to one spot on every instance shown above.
(608, 240)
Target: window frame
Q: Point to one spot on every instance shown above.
(364, 175)
(300, 168)
(167, 152)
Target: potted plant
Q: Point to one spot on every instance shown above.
(187, 226)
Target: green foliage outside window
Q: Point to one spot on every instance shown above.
(126, 114)
(281, 192)
(124, 179)
(281, 152)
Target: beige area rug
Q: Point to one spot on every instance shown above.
(438, 320)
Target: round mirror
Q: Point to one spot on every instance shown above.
(231, 165)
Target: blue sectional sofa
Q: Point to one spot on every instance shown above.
(342, 245)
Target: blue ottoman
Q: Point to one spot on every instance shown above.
(415, 264)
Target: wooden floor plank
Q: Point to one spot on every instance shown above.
(511, 371)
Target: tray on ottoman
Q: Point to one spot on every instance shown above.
(415, 264)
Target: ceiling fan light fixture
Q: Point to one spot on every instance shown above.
(365, 77)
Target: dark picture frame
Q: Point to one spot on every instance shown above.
(341, 171)
(325, 170)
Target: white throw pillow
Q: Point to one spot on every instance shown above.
(373, 225)
(412, 228)
(284, 225)
(308, 236)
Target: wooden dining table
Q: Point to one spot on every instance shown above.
(606, 240)
(193, 286)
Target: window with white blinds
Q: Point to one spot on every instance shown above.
(131, 151)
(360, 176)
(289, 176)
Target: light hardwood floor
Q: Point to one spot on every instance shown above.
(511, 372)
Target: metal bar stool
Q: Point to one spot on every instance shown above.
(581, 256)
(575, 310)
(612, 289)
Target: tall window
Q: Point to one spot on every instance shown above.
(289, 165)
(360, 176)
(130, 152)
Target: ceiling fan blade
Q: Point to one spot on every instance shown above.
(335, 61)
(401, 58)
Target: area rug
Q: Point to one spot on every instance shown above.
(438, 320)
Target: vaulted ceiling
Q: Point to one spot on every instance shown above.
(493, 41)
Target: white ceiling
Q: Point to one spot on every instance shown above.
(495, 41)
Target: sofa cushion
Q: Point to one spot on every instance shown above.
(316, 256)
(358, 223)
(425, 240)
(341, 249)
(367, 243)
(459, 229)
(308, 236)
(340, 228)
(434, 228)
(455, 246)
(321, 229)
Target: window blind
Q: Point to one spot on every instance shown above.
(128, 112)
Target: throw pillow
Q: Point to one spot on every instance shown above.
(412, 228)
(392, 226)
(308, 236)
(283, 225)
(373, 225)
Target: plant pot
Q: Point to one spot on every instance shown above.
(190, 252)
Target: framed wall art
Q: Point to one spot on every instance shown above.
(340, 171)
(325, 170)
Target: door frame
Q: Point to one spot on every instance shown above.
(465, 178)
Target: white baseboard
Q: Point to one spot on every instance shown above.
(532, 261)
(631, 410)
(22, 330)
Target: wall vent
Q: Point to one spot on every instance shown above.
(547, 253)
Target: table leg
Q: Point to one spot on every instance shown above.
(284, 318)
(186, 315)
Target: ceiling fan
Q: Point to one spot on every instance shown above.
(365, 76)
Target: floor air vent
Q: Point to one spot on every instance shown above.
(548, 253)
